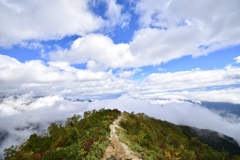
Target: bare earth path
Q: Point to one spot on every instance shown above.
(118, 149)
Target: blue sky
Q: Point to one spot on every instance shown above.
(129, 47)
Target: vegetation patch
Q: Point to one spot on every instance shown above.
(79, 138)
(156, 139)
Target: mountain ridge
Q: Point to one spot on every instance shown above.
(87, 137)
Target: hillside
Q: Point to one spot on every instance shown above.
(156, 139)
(87, 137)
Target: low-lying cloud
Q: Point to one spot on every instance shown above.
(23, 115)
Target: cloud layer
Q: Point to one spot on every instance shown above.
(60, 78)
(56, 78)
(27, 115)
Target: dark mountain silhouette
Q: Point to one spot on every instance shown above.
(223, 106)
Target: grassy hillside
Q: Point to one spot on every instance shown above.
(87, 138)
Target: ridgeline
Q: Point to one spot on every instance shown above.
(142, 137)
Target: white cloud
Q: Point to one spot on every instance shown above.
(150, 46)
(168, 30)
(212, 85)
(94, 66)
(237, 59)
(148, 9)
(195, 79)
(170, 13)
(43, 20)
(171, 29)
(60, 78)
(224, 95)
(56, 78)
(31, 45)
(47, 20)
(97, 47)
(153, 46)
(128, 73)
(143, 50)
(115, 15)
(210, 25)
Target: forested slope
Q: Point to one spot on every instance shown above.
(156, 139)
(87, 138)
(79, 138)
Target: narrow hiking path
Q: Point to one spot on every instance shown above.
(118, 149)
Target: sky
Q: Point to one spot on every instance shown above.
(107, 48)
(160, 52)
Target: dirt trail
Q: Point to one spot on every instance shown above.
(118, 149)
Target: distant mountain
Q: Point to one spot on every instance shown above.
(223, 106)
(78, 100)
(214, 139)
(87, 137)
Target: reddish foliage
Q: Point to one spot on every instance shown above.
(37, 156)
(87, 145)
(104, 138)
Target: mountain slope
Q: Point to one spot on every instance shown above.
(79, 138)
(87, 137)
(156, 139)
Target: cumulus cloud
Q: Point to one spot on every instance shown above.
(191, 28)
(172, 29)
(168, 30)
(149, 47)
(94, 82)
(97, 47)
(56, 78)
(43, 20)
(27, 115)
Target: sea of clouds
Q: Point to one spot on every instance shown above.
(21, 116)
